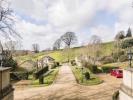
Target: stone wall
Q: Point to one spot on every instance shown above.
(126, 90)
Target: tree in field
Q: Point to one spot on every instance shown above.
(95, 47)
(7, 20)
(129, 33)
(118, 40)
(69, 38)
(120, 35)
(35, 47)
(57, 44)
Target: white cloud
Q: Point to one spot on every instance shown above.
(69, 15)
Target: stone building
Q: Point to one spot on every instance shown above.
(46, 60)
(6, 89)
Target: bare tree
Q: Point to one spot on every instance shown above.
(7, 20)
(95, 47)
(57, 44)
(35, 47)
(10, 47)
(69, 38)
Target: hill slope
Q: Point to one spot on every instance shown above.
(58, 55)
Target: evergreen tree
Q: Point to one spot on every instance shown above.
(129, 33)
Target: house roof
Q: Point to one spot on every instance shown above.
(48, 57)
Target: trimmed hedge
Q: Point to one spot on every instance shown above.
(107, 69)
(19, 75)
(87, 75)
(40, 72)
(41, 80)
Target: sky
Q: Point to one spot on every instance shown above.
(44, 21)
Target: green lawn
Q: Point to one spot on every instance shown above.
(48, 79)
(117, 64)
(94, 79)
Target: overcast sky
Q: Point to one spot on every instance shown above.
(43, 21)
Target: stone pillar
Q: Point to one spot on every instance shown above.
(6, 89)
(126, 90)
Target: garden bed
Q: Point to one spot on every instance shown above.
(94, 79)
(49, 77)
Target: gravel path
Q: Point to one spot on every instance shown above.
(66, 88)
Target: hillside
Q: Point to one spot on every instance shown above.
(58, 55)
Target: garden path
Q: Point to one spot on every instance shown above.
(66, 88)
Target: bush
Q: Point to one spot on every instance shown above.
(117, 55)
(93, 68)
(10, 62)
(41, 81)
(107, 69)
(127, 42)
(37, 74)
(19, 75)
(123, 58)
(115, 96)
(87, 75)
(73, 63)
(106, 59)
(58, 64)
(86, 64)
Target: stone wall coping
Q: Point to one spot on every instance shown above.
(4, 69)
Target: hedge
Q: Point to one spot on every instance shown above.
(107, 69)
(19, 75)
(40, 72)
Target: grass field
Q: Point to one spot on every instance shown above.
(58, 55)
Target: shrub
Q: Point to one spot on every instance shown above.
(73, 63)
(87, 75)
(106, 59)
(117, 55)
(123, 58)
(58, 64)
(37, 74)
(19, 75)
(107, 69)
(41, 81)
(86, 64)
(115, 95)
(93, 68)
(10, 62)
(127, 42)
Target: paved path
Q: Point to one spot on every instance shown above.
(66, 88)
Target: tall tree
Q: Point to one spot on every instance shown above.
(69, 38)
(118, 40)
(129, 33)
(57, 44)
(7, 20)
(120, 35)
(35, 47)
(95, 47)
